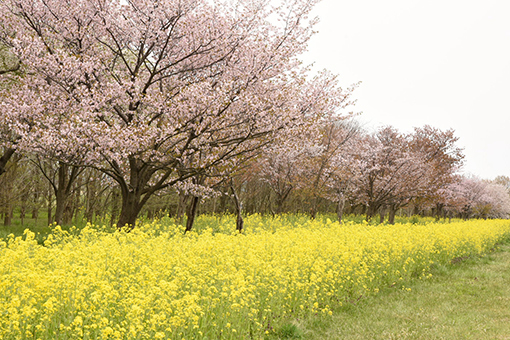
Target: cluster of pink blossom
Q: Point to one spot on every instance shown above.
(153, 93)
(472, 197)
(381, 171)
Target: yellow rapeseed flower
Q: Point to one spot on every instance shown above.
(135, 285)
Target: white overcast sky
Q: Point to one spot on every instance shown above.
(445, 63)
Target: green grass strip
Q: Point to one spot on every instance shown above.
(468, 299)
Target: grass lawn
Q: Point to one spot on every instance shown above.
(469, 299)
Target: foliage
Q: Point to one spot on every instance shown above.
(156, 283)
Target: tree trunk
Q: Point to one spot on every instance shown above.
(191, 213)
(67, 175)
(392, 212)
(67, 217)
(239, 222)
(340, 207)
(131, 206)
(382, 214)
(35, 205)
(439, 211)
(49, 206)
(61, 200)
(8, 214)
(115, 206)
(371, 210)
(314, 208)
(136, 192)
(281, 197)
(279, 204)
(22, 212)
(90, 199)
(239, 209)
(181, 207)
(8, 153)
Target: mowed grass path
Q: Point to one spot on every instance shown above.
(469, 299)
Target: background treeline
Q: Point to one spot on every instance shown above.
(343, 170)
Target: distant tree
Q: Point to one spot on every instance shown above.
(395, 169)
(504, 181)
(8, 193)
(498, 201)
(482, 199)
(280, 169)
(443, 159)
(387, 169)
(326, 159)
(62, 178)
(337, 165)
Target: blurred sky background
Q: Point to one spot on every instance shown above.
(442, 63)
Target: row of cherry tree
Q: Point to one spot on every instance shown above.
(156, 94)
(383, 172)
(340, 168)
(138, 101)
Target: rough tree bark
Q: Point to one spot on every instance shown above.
(137, 191)
(382, 214)
(340, 206)
(131, 206)
(371, 210)
(281, 197)
(181, 206)
(8, 212)
(191, 213)
(392, 212)
(67, 175)
(239, 208)
(8, 153)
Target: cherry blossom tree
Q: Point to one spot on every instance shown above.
(283, 165)
(153, 93)
(8, 65)
(384, 163)
(498, 201)
(444, 158)
(326, 162)
(62, 178)
(504, 181)
(281, 168)
(482, 199)
(396, 169)
(331, 173)
(447, 200)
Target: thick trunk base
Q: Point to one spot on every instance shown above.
(340, 207)
(130, 209)
(191, 213)
(391, 217)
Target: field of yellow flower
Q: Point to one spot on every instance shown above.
(156, 283)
